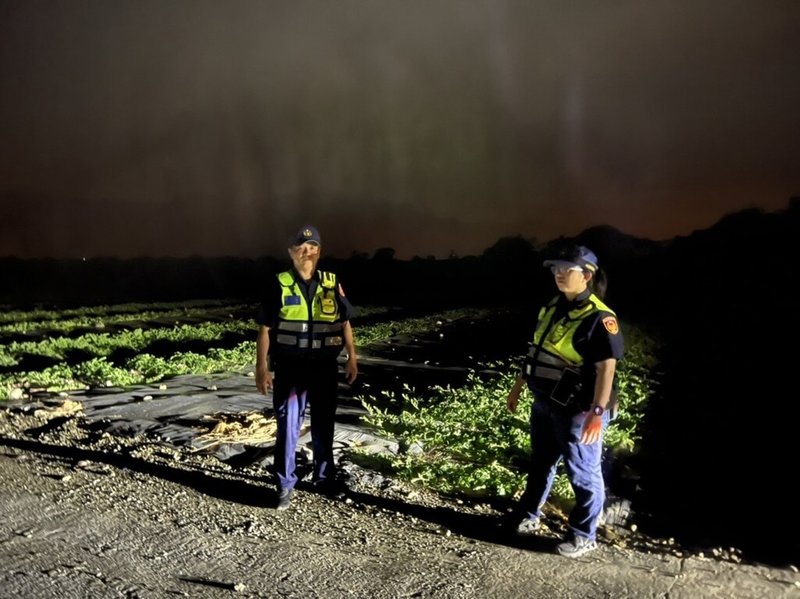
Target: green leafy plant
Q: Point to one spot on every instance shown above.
(461, 440)
(464, 440)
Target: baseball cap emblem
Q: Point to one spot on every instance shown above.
(305, 234)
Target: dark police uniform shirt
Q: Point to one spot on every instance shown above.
(270, 307)
(592, 340)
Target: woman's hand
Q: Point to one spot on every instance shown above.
(592, 429)
(513, 398)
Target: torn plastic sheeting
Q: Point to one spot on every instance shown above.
(175, 433)
(183, 406)
(131, 427)
(221, 381)
(226, 451)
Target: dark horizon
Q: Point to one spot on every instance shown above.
(357, 253)
(633, 264)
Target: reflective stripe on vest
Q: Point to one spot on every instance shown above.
(315, 343)
(556, 351)
(316, 328)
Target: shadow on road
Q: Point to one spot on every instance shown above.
(480, 527)
(203, 481)
(258, 493)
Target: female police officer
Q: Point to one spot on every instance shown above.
(570, 371)
(304, 325)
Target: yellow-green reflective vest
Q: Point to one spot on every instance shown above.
(303, 328)
(552, 351)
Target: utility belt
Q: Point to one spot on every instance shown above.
(562, 387)
(308, 362)
(570, 394)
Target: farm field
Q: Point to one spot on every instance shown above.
(422, 374)
(433, 459)
(44, 351)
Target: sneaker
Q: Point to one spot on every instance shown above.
(576, 546)
(528, 527)
(284, 499)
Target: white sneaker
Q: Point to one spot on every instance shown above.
(528, 527)
(576, 546)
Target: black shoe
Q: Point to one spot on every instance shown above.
(284, 499)
(333, 489)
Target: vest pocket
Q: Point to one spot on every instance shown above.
(567, 388)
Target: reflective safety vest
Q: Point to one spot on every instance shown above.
(302, 328)
(552, 352)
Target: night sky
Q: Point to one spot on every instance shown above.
(178, 127)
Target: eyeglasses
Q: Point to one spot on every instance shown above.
(562, 270)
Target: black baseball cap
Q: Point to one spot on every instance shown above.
(306, 234)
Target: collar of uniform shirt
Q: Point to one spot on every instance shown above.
(308, 287)
(564, 305)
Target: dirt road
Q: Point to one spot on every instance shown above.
(90, 514)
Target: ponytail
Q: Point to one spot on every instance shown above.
(599, 283)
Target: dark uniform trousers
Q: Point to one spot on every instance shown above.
(302, 383)
(555, 435)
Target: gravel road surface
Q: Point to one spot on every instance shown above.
(87, 513)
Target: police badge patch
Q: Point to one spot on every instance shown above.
(610, 323)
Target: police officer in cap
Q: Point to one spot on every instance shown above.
(570, 371)
(304, 324)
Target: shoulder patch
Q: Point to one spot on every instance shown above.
(610, 323)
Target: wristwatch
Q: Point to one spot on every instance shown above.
(598, 410)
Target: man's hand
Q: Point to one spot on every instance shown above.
(592, 428)
(351, 366)
(351, 370)
(263, 375)
(263, 379)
